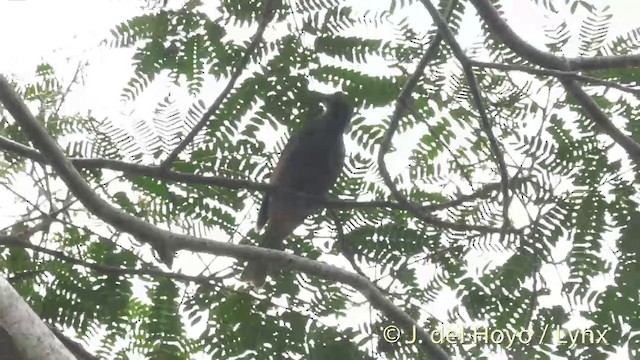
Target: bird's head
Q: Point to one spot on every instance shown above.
(338, 110)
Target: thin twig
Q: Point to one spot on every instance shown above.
(345, 249)
(484, 119)
(21, 241)
(556, 73)
(68, 89)
(265, 17)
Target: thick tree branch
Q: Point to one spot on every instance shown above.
(31, 336)
(173, 242)
(156, 172)
(22, 240)
(8, 348)
(496, 150)
(265, 18)
(501, 29)
(604, 62)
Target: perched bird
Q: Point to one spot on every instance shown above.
(310, 163)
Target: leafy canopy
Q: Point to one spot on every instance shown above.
(570, 188)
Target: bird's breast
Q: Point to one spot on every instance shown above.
(315, 165)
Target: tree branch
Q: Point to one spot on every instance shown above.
(556, 73)
(30, 335)
(156, 172)
(484, 118)
(173, 242)
(404, 101)
(21, 241)
(501, 29)
(76, 348)
(265, 17)
(345, 249)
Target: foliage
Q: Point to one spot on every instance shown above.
(573, 191)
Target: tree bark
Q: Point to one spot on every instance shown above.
(30, 336)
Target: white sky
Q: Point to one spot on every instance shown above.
(66, 32)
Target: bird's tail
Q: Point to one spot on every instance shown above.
(256, 271)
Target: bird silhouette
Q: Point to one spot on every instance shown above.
(310, 163)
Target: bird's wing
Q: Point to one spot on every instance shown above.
(289, 148)
(293, 145)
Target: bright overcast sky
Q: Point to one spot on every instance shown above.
(66, 32)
